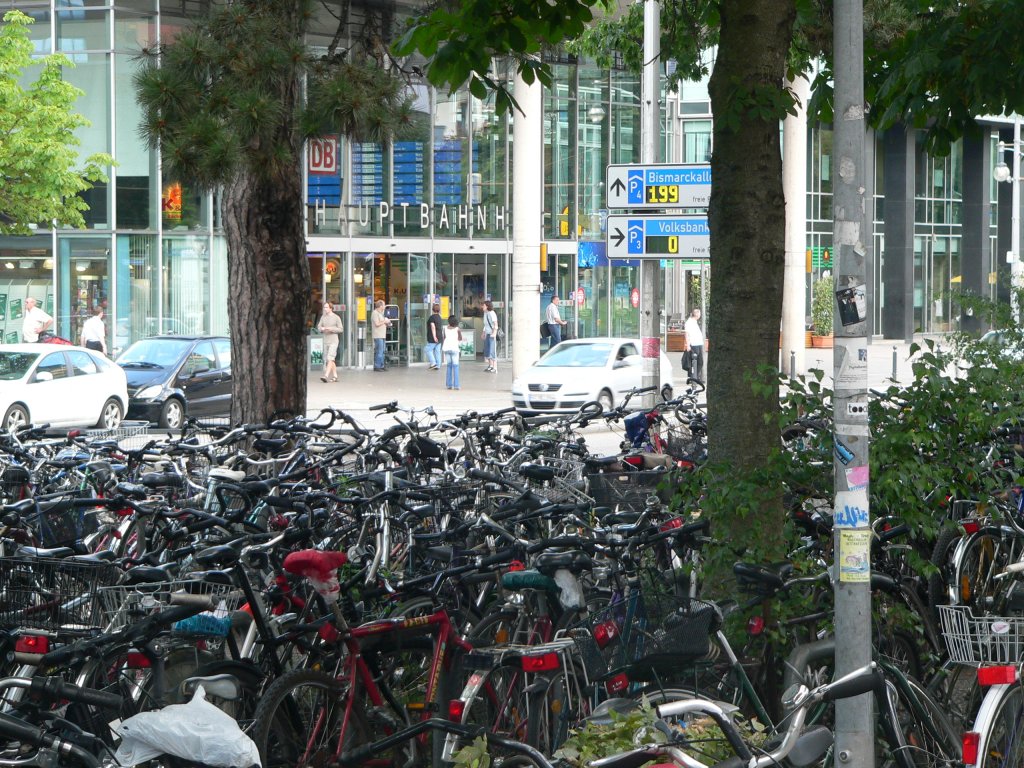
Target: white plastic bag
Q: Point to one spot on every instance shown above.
(194, 731)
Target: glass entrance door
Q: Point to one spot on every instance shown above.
(419, 297)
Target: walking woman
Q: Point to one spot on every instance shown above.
(450, 348)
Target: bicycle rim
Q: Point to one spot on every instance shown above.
(1004, 745)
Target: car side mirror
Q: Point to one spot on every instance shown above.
(44, 376)
(620, 364)
(199, 369)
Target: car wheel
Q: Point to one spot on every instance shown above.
(666, 393)
(605, 399)
(111, 415)
(15, 417)
(172, 414)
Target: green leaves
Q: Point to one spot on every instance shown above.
(39, 180)
(461, 42)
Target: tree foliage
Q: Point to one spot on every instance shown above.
(230, 102)
(957, 61)
(42, 175)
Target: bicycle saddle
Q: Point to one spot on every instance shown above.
(314, 563)
(537, 472)
(148, 574)
(515, 581)
(162, 480)
(94, 558)
(574, 561)
(56, 552)
(225, 686)
(762, 576)
(220, 555)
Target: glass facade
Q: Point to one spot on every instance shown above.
(424, 220)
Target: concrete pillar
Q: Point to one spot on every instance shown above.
(527, 223)
(897, 257)
(975, 250)
(794, 187)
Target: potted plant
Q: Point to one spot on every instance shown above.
(821, 312)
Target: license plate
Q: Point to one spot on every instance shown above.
(543, 398)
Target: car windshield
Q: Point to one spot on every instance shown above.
(162, 352)
(14, 365)
(576, 356)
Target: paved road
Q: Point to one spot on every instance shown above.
(356, 390)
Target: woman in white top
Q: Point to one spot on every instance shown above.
(490, 338)
(450, 349)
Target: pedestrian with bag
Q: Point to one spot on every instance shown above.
(490, 338)
(450, 348)
(435, 335)
(331, 327)
(694, 346)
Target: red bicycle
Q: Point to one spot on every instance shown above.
(389, 674)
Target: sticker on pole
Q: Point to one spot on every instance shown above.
(854, 556)
(650, 346)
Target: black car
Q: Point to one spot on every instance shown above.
(171, 377)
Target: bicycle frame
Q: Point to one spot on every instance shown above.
(355, 670)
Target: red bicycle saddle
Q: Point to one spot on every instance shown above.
(315, 564)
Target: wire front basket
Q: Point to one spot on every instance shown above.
(42, 593)
(976, 640)
(128, 603)
(645, 636)
(629, 490)
(567, 485)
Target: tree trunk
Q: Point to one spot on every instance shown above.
(268, 286)
(747, 222)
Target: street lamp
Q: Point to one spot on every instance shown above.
(1002, 173)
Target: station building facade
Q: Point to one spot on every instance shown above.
(429, 219)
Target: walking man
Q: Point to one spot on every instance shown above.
(379, 325)
(94, 334)
(331, 327)
(555, 322)
(435, 335)
(695, 344)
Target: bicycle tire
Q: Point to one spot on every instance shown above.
(983, 557)
(298, 719)
(1001, 742)
(559, 704)
(918, 733)
(939, 582)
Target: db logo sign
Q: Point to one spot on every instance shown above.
(323, 155)
(634, 297)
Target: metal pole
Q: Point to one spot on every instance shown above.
(894, 364)
(1015, 266)
(792, 364)
(854, 735)
(650, 274)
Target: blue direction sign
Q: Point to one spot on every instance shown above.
(663, 237)
(658, 186)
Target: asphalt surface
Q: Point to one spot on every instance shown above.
(417, 387)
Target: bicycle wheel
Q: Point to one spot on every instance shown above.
(942, 554)
(298, 722)
(498, 699)
(558, 704)
(1002, 730)
(918, 732)
(983, 557)
(955, 687)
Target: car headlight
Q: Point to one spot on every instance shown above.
(148, 392)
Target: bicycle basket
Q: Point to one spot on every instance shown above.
(62, 524)
(38, 593)
(645, 638)
(978, 640)
(125, 604)
(628, 490)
